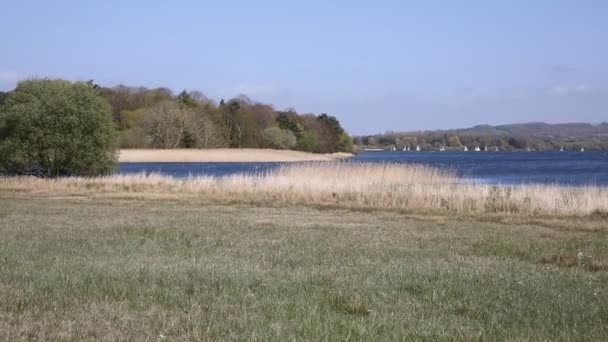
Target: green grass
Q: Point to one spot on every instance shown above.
(160, 270)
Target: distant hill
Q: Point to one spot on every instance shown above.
(542, 130)
(535, 135)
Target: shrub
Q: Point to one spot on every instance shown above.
(52, 128)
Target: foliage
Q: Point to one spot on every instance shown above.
(346, 142)
(289, 121)
(275, 137)
(3, 96)
(309, 141)
(330, 135)
(52, 128)
(165, 124)
(157, 118)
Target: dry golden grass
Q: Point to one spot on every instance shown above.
(224, 155)
(339, 184)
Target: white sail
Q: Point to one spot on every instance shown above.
(417, 148)
(561, 149)
(465, 149)
(477, 149)
(582, 149)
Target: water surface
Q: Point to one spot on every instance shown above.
(572, 168)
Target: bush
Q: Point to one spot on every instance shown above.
(52, 128)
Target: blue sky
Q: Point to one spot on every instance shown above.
(376, 65)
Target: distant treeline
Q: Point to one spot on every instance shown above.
(537, 136)
(157, 118)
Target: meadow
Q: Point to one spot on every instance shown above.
(369, 253)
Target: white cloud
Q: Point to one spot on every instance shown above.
(563, 90)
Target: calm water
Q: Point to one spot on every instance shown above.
(573, 168)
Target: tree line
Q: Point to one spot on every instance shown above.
(535, 136)
(156, 118)
(52, 128)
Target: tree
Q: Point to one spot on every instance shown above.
(346, 143)
(238, 122)
(263, 117)
(3, 96)
(52, 128)
(186, 99)
(165, 124)
(279, 138)
(125, 99)
(288, 120)
(309, 141)
(202, 131)
(331, 134)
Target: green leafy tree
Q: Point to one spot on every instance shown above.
(309, 141)
(346, 143)
(289, 120)
(3, 96)
(52, 128)
(275, 137)
(331, 134)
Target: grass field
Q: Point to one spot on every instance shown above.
(84, 268)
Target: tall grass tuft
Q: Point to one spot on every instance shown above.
(343, 184)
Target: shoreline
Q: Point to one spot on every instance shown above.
(344, 185)
(226, 155)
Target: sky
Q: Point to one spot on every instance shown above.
(376, 65)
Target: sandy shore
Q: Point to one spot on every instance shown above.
(223, 155)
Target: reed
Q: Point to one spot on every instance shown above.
(224, 155)
(341, 184)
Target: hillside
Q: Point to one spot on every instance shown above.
(536, 135)
(566, 131)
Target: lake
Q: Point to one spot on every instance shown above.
(571, 168)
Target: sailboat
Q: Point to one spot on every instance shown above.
(485, 148)
(442, 148)
(417, 148)
(496, 149)
(393, 148)
(528, 149)
(465, 149)
(582, 149)
(561, 149)
(477, 149)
